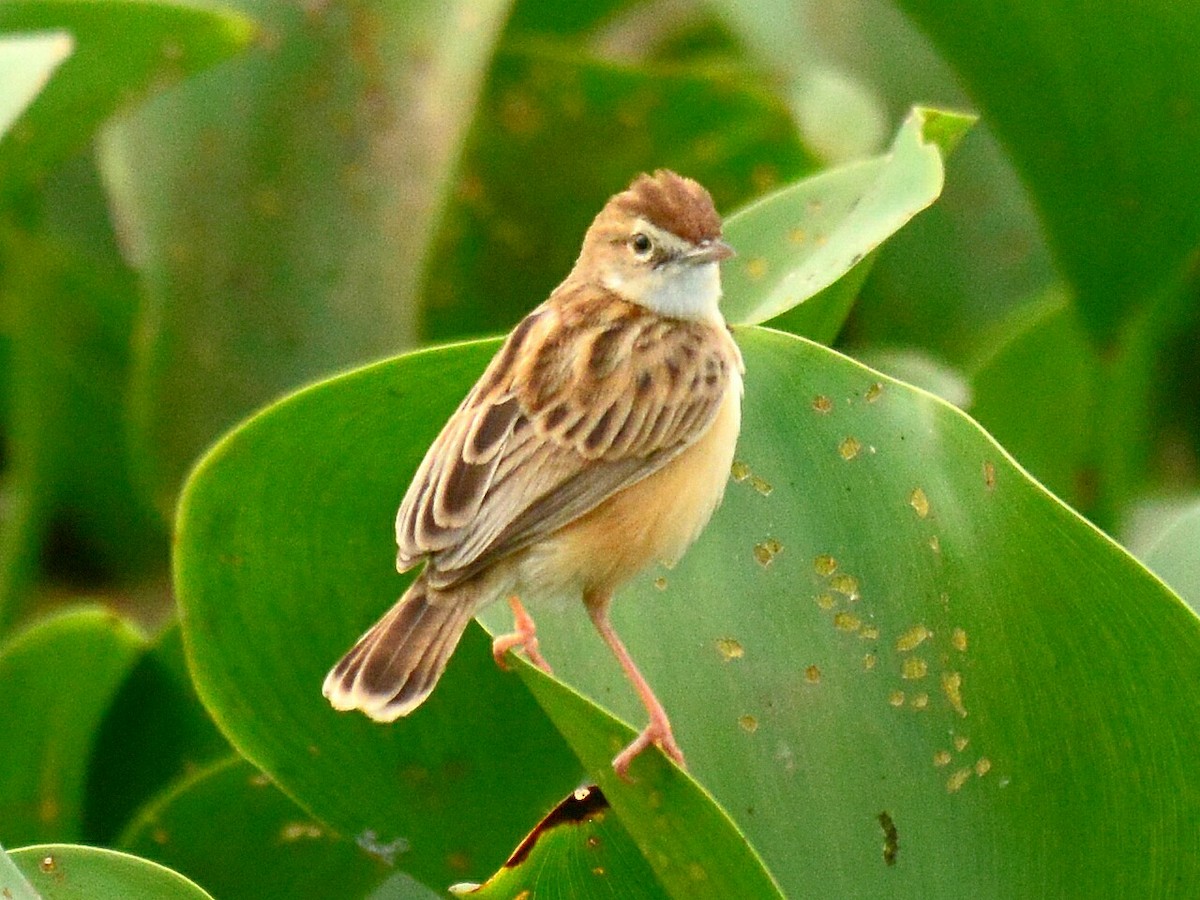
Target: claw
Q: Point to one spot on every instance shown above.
(523, 637)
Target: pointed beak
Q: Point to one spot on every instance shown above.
(711, 251)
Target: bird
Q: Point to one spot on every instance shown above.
(598, 440)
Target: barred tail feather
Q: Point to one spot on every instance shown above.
(397, 663)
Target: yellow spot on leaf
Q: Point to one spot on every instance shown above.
(958, 638)
(845, 621)
(874, 391)
(660, 582)
(989, 475)
(749, 724)
(730, 649)
(797, 235)
(941, 758)
(869, 633)
(957, 780)
(914, 668)
(983, 765)
(739, 471)
(825, 601)
(848, 449)
(919, 502)
(824, 565)
(766, 552)
(960, 742)
(756, 268)
(896, 698)
(812, 674)
(935, 544)
(845, 584)
(913, 638)
(919, 701)
(761, 485)
(952, 687)
(869, 661)
(822, 404)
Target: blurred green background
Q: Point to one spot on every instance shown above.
(209, 206)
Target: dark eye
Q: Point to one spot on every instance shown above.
(641, 244)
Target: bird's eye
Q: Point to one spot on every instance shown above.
(641, 244)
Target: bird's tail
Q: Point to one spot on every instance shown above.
(395, 665)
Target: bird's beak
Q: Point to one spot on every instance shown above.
(711, 251)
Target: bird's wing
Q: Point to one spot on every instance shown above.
(585, 398)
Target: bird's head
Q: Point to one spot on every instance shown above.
(658, 244)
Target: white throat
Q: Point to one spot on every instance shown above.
(678, 290)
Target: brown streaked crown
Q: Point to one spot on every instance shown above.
(674, 203)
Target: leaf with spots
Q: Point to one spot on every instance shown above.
(228, 827)
(579, 850)
(70, 871)
(806, 237)
(934, 636)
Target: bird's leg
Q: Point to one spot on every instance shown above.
(522, 637)
(658, 731)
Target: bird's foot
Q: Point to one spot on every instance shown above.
(657, 733)
(523, 637)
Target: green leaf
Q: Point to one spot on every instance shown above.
(14, 885)
(1095, 105)
(1034, 388)
(123, 48)
(57, 679)
(805, 237)
(692, 845)
(1173, 555)
(586, 127)
(229, 828)
(579, 849)
(886, 616)
(154, 732)
(265, 616)
(68, 872)
(26, 64)
(279, 209)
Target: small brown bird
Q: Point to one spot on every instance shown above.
(598, 440)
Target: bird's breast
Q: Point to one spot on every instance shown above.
(654, 520)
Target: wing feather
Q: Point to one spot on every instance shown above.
(586, 397)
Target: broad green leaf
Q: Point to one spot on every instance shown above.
(692, 845)
(279, 209)
(26, 64)
(14, 885)
(1095, 103)
(805, 237)
(70, 871)
(1034, 387)
(154, 732)
(57, 679)
(585, 128)
(1174, 557)
(123, 48)
(885, 617)
(260, 637)
(579, 849)
(229, 828)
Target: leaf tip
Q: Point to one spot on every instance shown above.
(943, 128)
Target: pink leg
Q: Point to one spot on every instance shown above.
(523, 637)
(658, 731)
